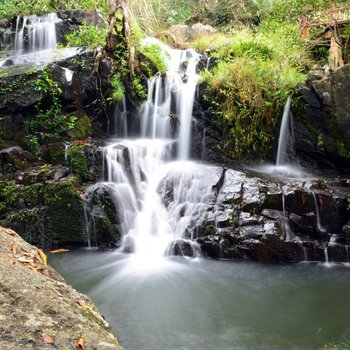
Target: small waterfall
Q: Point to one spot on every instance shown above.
(285, 139)
(40, 30)
(120, 119)
(319, 226)
(326, 258)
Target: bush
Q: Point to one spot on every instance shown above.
(247, 88)
(87, 36)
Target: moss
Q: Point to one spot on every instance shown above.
(65, 211)
(9, 194)
(82, 128)
(78, 162)
(33, 195)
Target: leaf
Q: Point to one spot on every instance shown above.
(57, 292)
(47, 339)
(42, 256)
(83, 305)
(79, 343)
(56, 251)
(43, 272)
(25, 260)
(14, 248)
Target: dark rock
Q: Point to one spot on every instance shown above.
(104, 216)
(17, 158)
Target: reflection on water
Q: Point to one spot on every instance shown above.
(178, 303)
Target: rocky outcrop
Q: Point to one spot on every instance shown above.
(250, 218)
(39, 310)
(321, 126)
(180, 34)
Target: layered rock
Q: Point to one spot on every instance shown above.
(39, 310)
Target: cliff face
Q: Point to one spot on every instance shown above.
(38, 309)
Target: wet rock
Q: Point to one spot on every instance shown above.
(104, 216)
(182, 247)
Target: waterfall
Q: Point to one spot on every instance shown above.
(158, 194)
(285, 136)
(35, 43)
(40, 30)
(319, 226)
(170, 100)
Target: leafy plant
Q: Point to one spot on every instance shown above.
(118, 90)
(87, 35)
(155, 55)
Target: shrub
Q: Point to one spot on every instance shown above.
(87, 36)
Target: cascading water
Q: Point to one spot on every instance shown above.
(41, 32)
(35, 42)
(157, 202)
(285, 137)
(170, 100)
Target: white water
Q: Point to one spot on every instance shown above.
(35, 42)
(319, 226)
(283, 165)
(41, 32)
(285, 135)
(170, 99)
(142, 172)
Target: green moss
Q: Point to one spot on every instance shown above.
(78, 162)
(33, 195)
(82, 128)
(65, 211)
(9, 195)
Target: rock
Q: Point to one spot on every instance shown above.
(181, 34)
(322, 127)
(105, 216)
(17, 158)
(36, 301)
(199, 30)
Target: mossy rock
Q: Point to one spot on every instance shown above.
(30, 224)
(65, 212)
(82, 128)
(78, 162)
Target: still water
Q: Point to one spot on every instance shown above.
(178, 303)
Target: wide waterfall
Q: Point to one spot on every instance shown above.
(158, 203)
(35, 42)
(41, 32)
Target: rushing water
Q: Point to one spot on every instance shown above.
(204, 304)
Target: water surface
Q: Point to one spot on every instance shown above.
(178, 303)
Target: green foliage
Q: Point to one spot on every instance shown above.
(253, 75)
(49, 117)
(12, 8)
(63, 201)
(139, 88)
(33, 144)
(118, 90)
(337, 346)
(33, 195)
(155, 56)
(86, 35)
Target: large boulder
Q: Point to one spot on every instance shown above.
(39, 310)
